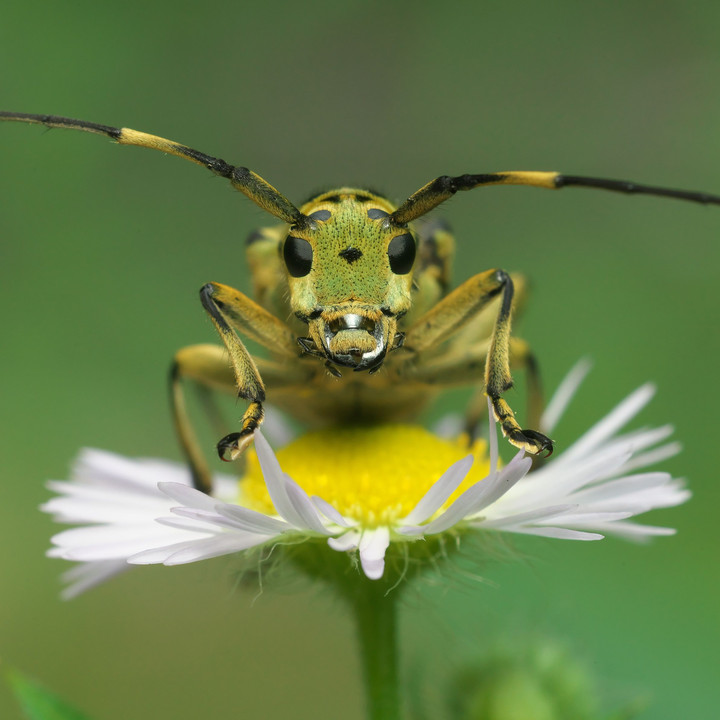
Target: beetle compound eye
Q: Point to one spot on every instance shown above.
(298, 254)
(401, 252)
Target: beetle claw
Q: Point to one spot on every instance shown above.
(537, 443)
(233, 445)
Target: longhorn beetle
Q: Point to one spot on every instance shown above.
(350, 280)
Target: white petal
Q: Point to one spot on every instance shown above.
(225, 544)
(512, 473)
(190, 524)
(492, 437)
(87, 575)
(98, 467)
(206, 523)
(252, 521)
(611, 423)
(532, 516)
(277, 428)
(373, 545)
(652, 457)
(198, 549)
(646, 437)
(607, 458)
(448, 427)
(562, 396)
(346, 541)
(188, 496)
(304, 507)
(455, 513)
(631, 442)
(634, 531)
(621, 487)
(588, 520)
(557, 533)
(101, 491)
(330, 512)
(556, 481)
(84, 502)
(155, 555)
(440, 491)
(276, 483)
(475, 498)
(82, 510)
(114, 542)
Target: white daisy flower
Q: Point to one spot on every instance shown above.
(362, 491)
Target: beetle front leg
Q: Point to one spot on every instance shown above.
(230, 310)
(521, 358)
(452, 313)
(231, 446)
(208, 367)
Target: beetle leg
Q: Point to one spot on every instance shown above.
(455, 367)
(451, 314)
(233, 312)
(521, 358)
(460, 367)
(208, 366)
(230, 310)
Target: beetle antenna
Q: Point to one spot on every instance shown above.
(444, 187)
(260, 191)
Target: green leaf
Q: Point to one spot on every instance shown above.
(37, 702)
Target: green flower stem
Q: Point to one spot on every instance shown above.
(376, 615)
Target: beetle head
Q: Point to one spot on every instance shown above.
(350, 276)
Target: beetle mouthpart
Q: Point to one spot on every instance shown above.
(355, 341)
(351, 321)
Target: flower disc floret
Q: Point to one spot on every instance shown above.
(372, 476)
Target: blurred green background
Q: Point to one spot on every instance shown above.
(103, 249)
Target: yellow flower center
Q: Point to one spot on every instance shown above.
(374, 475)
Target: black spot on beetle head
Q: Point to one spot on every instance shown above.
(350, 254)
(321, 215)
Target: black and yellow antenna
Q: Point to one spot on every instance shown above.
(418, 204)
(444, 187)
(258, 190)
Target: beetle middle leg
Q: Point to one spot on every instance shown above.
(451, 314)
(208, 366)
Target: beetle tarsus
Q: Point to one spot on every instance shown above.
(533, 442)
(232, 446)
